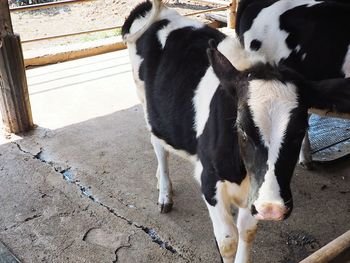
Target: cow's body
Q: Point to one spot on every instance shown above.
(309, 36)
(241, 128)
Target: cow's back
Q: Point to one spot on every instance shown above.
(309, 36)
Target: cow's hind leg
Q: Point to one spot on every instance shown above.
(247, 226)
(165, 200)
(305, 158)
(225, 230)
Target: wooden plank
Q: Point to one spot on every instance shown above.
(331, 250)
(216, 17)
(71, 34)
(215, 2)
(6, 256)
(70, 52)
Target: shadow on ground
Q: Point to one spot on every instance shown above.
(87, 193)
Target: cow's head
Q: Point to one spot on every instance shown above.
(272, 118)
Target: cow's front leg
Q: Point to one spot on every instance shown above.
(247, 226)
(225, 230)
(165, 200)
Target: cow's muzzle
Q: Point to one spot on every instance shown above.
(270, 211)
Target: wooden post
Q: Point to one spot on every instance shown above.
(14, 98)
(231, 15)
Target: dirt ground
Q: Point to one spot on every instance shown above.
(94, 14)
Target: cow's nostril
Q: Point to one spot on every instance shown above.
(253, 210)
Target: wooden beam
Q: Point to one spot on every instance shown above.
(331, 250)
(215, 2)
(14, 99)
(71, 34)
(231, 16)
(5, 19)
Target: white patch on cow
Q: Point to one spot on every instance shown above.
(297, 48)
(176, 21)
(181, 153)
(235, 53)
(202, 98)
(136, 61)
(164, 182)
(346, 64)
(247, 227)
(269, 191)
(138, 24)
(225, 231)
(267, 26)
(271, 103)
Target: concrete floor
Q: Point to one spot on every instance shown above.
(82, 186)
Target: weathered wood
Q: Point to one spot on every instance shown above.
(14, 98)
(5, 19)
(231, 15)
(216, 17)
(331, 250)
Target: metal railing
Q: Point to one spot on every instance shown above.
(45, 5)
(225, 5)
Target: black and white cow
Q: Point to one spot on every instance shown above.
(240, 121)
(310, 36)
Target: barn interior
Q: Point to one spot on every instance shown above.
(81, 186)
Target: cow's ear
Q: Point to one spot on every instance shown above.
(331, 95)
(222, 67)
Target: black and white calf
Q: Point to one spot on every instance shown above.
(240, 121)
(310, 36)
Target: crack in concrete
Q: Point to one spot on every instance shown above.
(32, 217)
(68, 177)
(22, 222)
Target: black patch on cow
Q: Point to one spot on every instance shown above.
(265, 71)
(289, 153)
(149, 48)
(218, 147)
(171, 75)
(139, 11)
(247, 11)
(322, 33)
(255, 45)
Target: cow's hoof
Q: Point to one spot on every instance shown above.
(165, 208)
(228, 248)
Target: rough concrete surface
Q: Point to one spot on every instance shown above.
(82, 186)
